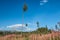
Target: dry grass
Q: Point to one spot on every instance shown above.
(30, 37)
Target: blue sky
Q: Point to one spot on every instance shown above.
(47, 13)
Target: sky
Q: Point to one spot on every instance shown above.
(46, 12)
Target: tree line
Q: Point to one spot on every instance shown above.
(40, 30)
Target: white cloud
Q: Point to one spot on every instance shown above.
(0, 28)
(18, 27)
(43, 2)
(28, 29)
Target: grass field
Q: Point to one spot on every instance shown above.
(51, 36)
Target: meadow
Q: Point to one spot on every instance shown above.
(42, 33)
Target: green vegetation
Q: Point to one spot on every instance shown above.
(42, 30)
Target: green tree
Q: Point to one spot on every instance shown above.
(46, 29)
(56, 27)
(26, 25)
(37, 24)
(24, 10)
(25, 6)
(59, 26)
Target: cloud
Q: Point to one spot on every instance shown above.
(43, 2)
(0, 28)
(19, 27)
(16, 26)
